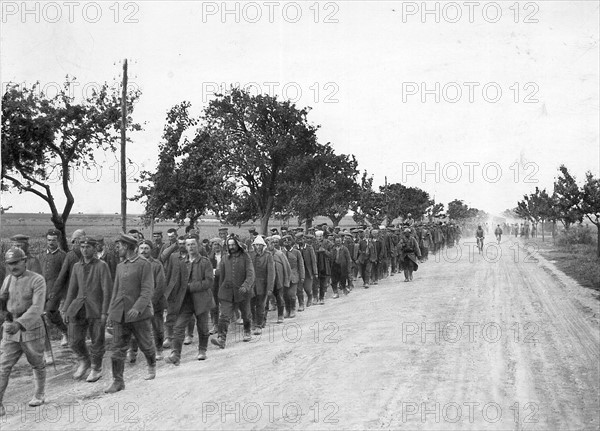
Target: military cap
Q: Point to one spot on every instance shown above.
(287, 237)
(319, 233)
(309, 236)
(374, 231)
(359, 230)
(159, 233)
(192, 235)
(19, 237)
(14, 254)
(259, 241)
(127, 239)
(348, 234)
(147, 242)
(53, 232)
(407, 230)
(223, 229)
(299, 235)
(77, 234)
(213, 240)
(274, 229)
(252, 230)
(284, 229)
(100, 239)
(87, 240)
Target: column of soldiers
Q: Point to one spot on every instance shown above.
(151, 295)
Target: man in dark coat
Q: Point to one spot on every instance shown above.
(193, 297)
(323, 267)
(341, 267)
(264, 270)
(409, 254)
(294, 257)
(130, 310)
(310, 269)
(86, 309)
(51, 261)
(237, 278)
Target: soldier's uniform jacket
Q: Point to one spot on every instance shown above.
(51, 265)
(61, 284)
(341, 257)
(159, 299)
(310, 261)
(90, 287)
(264, 273)
(33, 264)
(195, 277)
(111, 260)
(296, 261)
(236, 271)
(132, 289)
(282, 270)
(25, 297)
(409, 247)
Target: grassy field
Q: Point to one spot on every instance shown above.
(579, 261)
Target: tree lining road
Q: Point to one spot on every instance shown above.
(469, 344)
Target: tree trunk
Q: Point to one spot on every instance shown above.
(543, 231)
(598, 245)
(264, 225)
(308, 224)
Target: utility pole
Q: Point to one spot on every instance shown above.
(123, 150)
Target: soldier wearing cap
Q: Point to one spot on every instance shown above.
(274, 231)
(237, 278)
(51, 261)
(294, 257)
(22, 304)
(304, 244)
(173, 262)
(282, 274)
(264, 280)
(366, 256)
(22, 242)
(130, 310)
(86, 308)
(193, 299)
(61, 285)
(159, 302)
(323, 268)
(223, 233)
(341, 267)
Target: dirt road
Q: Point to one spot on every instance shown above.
(472, 343)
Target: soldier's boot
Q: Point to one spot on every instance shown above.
(309, 299)
(39, 378)
(151, 372)
(292, 308)
(222, 337)
(82, 369)
(301, 304)
(406, 275)
(117, 371)
(280, 313)
(95, 374)
(2, 410)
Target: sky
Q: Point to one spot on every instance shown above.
(479, 102)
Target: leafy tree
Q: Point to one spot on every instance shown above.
(259, 137)
(368, 204)
(536, 207)
(321, 184)
(569, 198)
(401, 201)
(42, 134)
(458, 210)
(189, 179)
(591, 202)
(434, 210)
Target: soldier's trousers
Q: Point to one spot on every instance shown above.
(365, 272)
(258, 307)
(51, 308)
(79, 326)
(11, 352)
(170, 319)
(278, 294)
(320, 287)
(338, 278)
(187, 314)
(122, 333)
(158, 328)
(307, 287)
(214, 313)
(227, 311)
(289, 296)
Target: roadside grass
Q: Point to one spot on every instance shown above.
(579, 261)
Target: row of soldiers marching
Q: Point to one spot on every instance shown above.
(149, 295)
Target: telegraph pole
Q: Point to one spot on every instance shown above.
(123, 150)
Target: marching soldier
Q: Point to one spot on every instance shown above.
(86, 308)
(130, 310)
(22, 304)
(294, 257)
(264, 270)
